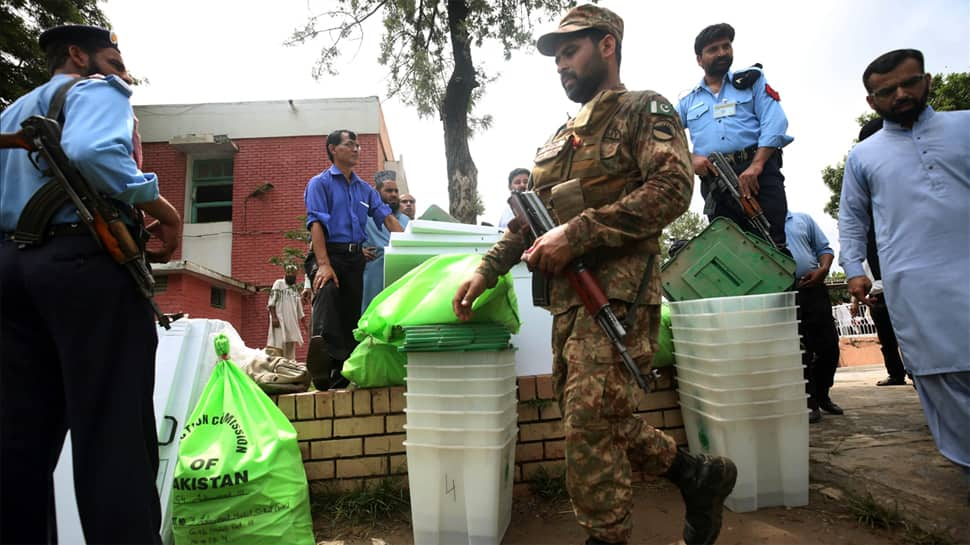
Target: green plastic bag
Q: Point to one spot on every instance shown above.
(423, 296)
(375, 364)
(239, 477)
(665, 351)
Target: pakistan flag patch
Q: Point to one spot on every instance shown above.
(661, 107)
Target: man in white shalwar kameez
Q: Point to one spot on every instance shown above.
(285, 314)
(915, 174)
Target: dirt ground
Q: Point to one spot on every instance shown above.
(658, 519)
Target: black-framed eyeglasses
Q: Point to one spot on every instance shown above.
(407, 201)
(890, 90)
(352, 144)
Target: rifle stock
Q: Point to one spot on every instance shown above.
(727, 180)
(42, 135)
(530, 209)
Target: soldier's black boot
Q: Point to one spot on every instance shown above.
(704, 482)
(319, 363)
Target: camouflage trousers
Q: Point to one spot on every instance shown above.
(605, 440)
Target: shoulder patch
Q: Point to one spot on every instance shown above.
(663, 131)
(772, 93)
(746, 78)
(661, 107)
(119, 84)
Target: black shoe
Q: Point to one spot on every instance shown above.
(338, 381)
(815, 416)
(830, 407)
(704, 482)
(892, 381)
(319, 363)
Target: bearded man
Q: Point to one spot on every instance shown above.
(613, 177)
(739, 115)
(915, 176)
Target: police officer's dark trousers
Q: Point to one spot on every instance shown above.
(336, 310)
(771, 197)
(817, 328)
(77, 352)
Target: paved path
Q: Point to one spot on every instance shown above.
(882, 446)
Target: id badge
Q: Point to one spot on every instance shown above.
(725, 109)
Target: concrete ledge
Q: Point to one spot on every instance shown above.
(882, 447)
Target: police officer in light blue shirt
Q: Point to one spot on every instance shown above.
(77, 339)
(739, 115)
(813, 257)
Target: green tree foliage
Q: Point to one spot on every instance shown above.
(427, 48)
(293, 255)
(22, 64)
(687, 226)
(947, 92)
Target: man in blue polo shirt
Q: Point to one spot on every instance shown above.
(338, 204)
(737, 114)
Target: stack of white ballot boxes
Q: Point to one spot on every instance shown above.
(742, 393)
(461, 433)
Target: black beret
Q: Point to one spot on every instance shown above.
(83, 35)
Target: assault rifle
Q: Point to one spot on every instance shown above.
(530, 211)
(726, 180)
(43, 135)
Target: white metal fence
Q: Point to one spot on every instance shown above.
(853, 326)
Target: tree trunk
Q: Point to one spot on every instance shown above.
(462, 173)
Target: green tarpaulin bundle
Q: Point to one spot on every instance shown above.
(239, 477)
(419, 298)
(455, 338)
(423, 296)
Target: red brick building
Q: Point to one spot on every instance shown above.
(236, 172)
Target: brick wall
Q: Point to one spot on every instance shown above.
(349, 437)
(192, 296)
(259, 222)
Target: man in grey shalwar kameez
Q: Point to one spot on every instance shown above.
(285, 314)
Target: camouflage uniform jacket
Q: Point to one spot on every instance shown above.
(624, 159)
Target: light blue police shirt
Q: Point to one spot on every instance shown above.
(806, 241)
(342, 208)
(98, 124)
(757, 118)
(918, 182)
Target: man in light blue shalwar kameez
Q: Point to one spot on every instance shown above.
(915, 173)
(378, 237)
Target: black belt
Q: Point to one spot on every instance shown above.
(59, 230)
(344, 248)
(742, 156)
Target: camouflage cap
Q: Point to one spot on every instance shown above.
(581, 18)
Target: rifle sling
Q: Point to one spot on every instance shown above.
(45, 202)
(55, 110)
(631, 312)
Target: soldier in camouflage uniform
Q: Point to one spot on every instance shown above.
(613, 177)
